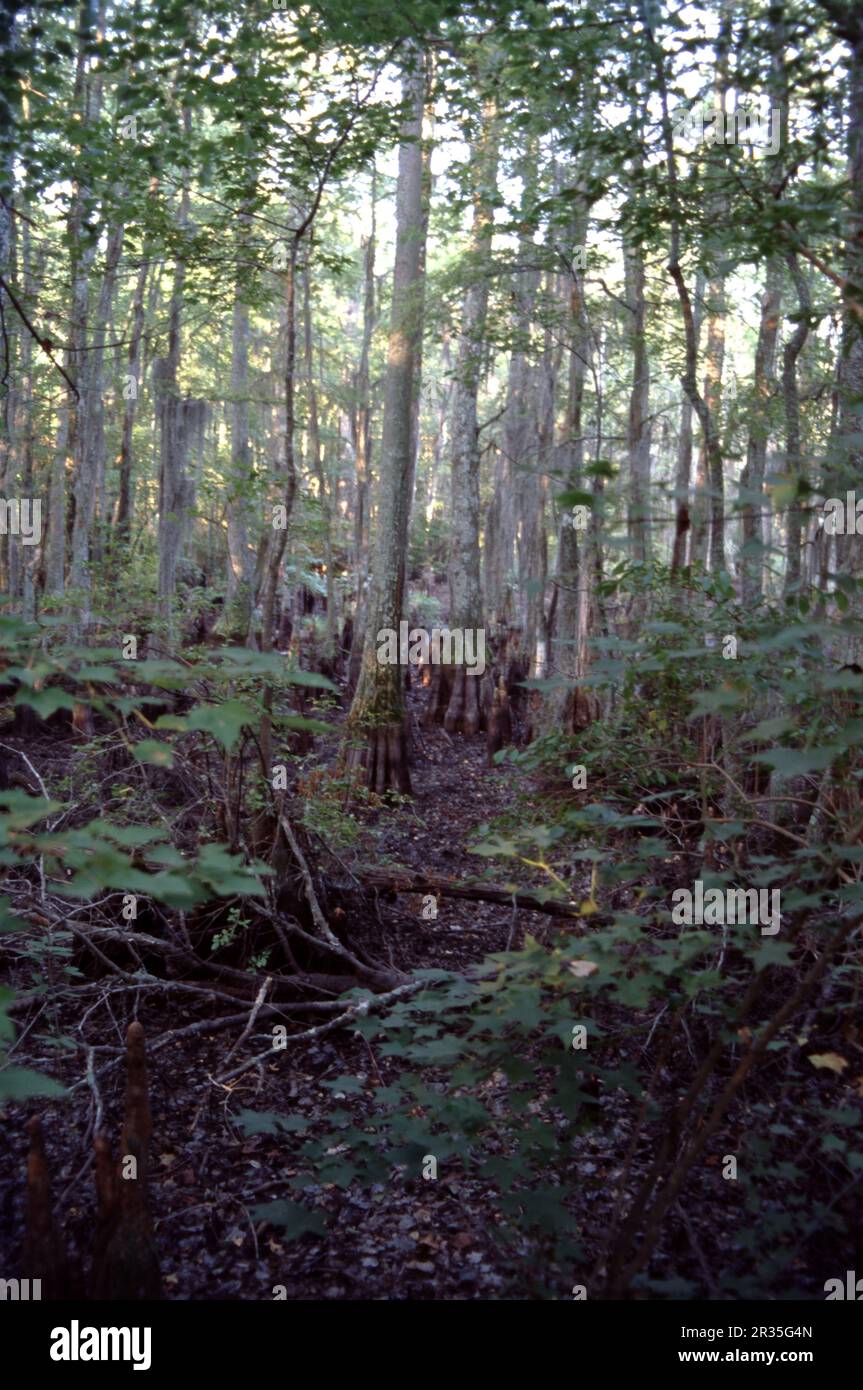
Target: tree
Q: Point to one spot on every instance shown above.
(464, 714)
(376, 724)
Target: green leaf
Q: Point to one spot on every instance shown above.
(19, 1083)
(96, 673)
(292, 1219)
(301, 723)
(20, 810)
(46, 702)
(167, 675)
(151, 750)
(131, 835)
(574, 497)
(349, 1084)
(223, 721)
(174, 722)
(310, 679)
(264, 1122)
(771, 728)
(796, 761)
(773, 953)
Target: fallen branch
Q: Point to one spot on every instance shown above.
(405, 881)
(318, 917)
(259, 999)
(358, 1010)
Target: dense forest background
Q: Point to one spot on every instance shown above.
(536, 322)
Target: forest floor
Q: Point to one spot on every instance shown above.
(411, 1240)
(408, 1238)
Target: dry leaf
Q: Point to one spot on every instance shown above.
(829, 1060)
(581, 969)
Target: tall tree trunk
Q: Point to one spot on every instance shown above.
(464, 714)
(535, 495)
(752, 475)
(240, 560)
(639, 432)
(683, 473)
(131, 387)
(519, 430)
(274, 549)
(706, 418)
(172, 481)
(712, 466)
(361, 419)
(67, 449)
(317, 462)
(791, 397)
(753, 531)
(569, 706)
(376, 726)
(10, 547)
(848, 19)
(92, 433)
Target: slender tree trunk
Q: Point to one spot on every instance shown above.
(66, 460)
(534, 553)
(240, 560)
(712, 452)
(519, 435)
(92, 432)
(639, 432)
(131, 387)
(849, 470)
(362, 438)
(568, 707)
(277, 539)
(752, 475)
(376, 726)
(317, 463)
(171, 418)
(791, 398)
(714, 363)
(464, 713)
(10, 548)
(754, 501)
(683, 473)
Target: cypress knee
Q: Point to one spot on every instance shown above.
(125, 1263)
(500, 723)
(45, 1256)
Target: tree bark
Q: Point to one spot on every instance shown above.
(376, 734)
(752, 475)
(362, 440)
(683, 474)
(464, 714)
(237, 622)
(791, 397)
(639, 432)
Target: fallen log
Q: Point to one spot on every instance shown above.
(406, 881)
